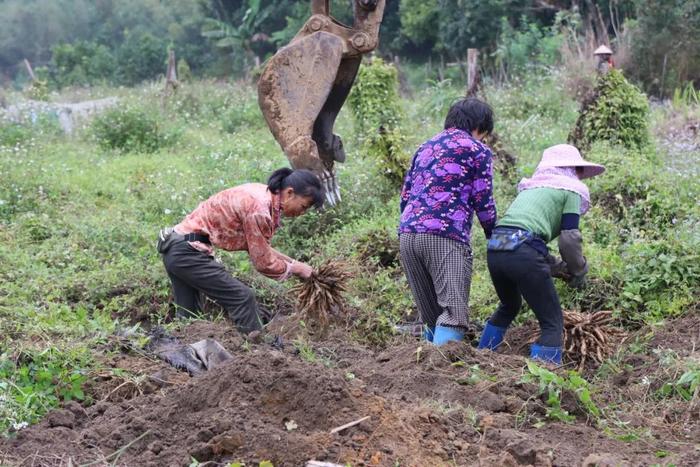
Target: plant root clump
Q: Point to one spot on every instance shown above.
(322, 293)
(588, 337)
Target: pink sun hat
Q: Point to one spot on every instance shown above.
(566, 155)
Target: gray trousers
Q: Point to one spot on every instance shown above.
(192, 271)
(439, 273)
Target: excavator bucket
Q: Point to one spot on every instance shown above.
(293, 89)
(304, 85)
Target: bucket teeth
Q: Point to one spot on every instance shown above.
(330, 187)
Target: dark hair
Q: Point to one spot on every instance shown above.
(302, 181)
(470, 114)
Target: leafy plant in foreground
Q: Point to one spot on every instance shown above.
(38, 382)
(555, 385)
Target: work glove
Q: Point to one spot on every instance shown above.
(577, 282)
(571, 250)
(557, 268)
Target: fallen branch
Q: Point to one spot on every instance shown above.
(351, 424)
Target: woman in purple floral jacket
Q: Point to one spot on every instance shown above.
(450, 179)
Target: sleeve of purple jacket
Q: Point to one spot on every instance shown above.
(482, 191)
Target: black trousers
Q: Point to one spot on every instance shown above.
(192, 271)
(525, 273)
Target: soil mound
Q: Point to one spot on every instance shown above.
(427, 406)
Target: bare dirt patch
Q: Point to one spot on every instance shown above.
(428, 406)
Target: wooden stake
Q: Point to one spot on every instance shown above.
(472, 72)
(351, 424)
(171, 74)
(29, 69)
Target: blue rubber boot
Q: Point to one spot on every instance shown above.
(546, 354)
(445, 334)
(492, 337)
(428, 333)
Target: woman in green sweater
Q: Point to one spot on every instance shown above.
(548, 206)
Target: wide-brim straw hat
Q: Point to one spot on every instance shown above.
(566, 155)
(602, 50)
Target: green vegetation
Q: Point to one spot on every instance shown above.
(87, 209)
(130, 130)
(554, 386)
(39, 381)
(377, 112)
(616, 112)
(80, 42)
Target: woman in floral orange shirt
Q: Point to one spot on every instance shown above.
(244, 217)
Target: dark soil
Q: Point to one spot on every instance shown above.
(428, 406)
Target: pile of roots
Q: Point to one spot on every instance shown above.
(322, 294)
(588, 337)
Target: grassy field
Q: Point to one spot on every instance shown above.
(78, 222)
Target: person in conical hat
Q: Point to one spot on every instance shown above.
(605, 61)
(548, 206)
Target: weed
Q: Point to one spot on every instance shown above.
(37, 381)
(464, 413)
(686, 97)
(475, 376)
(307, 353)
(555, 385)
(686, 382)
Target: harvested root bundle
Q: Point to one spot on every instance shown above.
(588, 336)
(323, 292)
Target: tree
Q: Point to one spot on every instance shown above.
(141, 57)
(250, 26)
(420, 21)
(666, 44)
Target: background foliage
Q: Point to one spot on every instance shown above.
(78, 42)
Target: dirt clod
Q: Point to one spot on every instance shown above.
(61, 418)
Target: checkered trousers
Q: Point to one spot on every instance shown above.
(439, 272)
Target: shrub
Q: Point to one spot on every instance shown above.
(82, 63)
(139, 58)
(374, 99)
(184, 73)
(660, 279)
(640, 239)
(12, 133)
(129, 129)
(616, 112)
(388, 148)
(377, 112)
(527, 48)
